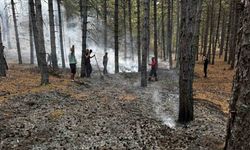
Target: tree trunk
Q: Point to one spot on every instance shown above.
(223, 32)
(16, 33)
(232, 34)
(197, 28)
(145, 44)
(37, 21)
(202, 36)
(206, 31)
(2, 59)
(7, 25)
(60, 32)
(139, 34)
(105, 25)
(116, 36)
(163, 30)
(226, 59)
(235, 28)
(149, 32)
(31, 38)
(238, 135)
(52, 35)
(130, 28)
(155, 31)
(187, 41)
(211, 31)
(125, 29)
(217, 33)
(84, 21)
(177, 34)
(169, 33)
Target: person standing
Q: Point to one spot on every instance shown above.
(72, 63)
(205, 60)
(105, 63)
(88, 63)
(153, 69)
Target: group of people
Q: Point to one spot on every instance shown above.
(88, 66)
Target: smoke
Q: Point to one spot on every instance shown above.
(71, 36)
(166, 108)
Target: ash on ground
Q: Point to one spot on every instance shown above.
(110, 113)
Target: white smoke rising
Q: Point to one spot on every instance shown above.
(71, 36)
(166, 108)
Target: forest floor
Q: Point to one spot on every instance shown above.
(110, 113)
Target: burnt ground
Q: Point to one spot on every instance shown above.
(110, 113)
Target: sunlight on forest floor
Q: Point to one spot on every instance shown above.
(217, 87)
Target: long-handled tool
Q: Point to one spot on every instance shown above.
(102, 77)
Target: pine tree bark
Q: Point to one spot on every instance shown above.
(125, 29)
(155, 31)
(130, 28)
(211, 31)
(238, 135)
(52, 35)
(226, 59)
(116, 14)
(223, 32)
(16, 33)
(84, 21)
(105, 25)
(177, 53)
(60, 32)
(206, 31)
(169, 33)
(37, 21)
(145, 44)
(217, 33)
(197, 28)
(232, 34)
(163, 30)
(31, 36)
(139, 34)
(235, 28)
(187, 55)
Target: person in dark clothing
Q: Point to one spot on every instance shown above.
(72, 62)
(153, 70)
(4, 60)
(205, 59)
(88, 63)
(105, 63)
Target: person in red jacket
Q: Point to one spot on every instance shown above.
(153, 70)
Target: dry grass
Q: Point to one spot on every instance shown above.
(56, 114)
(22, 79)
(217, 87)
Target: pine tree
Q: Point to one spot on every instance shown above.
(116, 36)
(238, 135)
(187, 41)
(16, 33)
(84, 21)
(52, 35)
(37, 24)
(145, 44)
